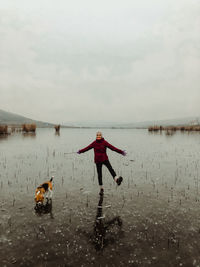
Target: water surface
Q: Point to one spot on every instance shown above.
(152, 219)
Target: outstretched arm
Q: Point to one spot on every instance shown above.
(115, 149)
(86, 148)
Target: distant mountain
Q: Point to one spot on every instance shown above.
(91, 124)
(14, 119)
(174, 122)
(145, 124)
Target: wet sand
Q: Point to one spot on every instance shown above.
(152, 219)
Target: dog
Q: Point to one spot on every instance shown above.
(43, 191)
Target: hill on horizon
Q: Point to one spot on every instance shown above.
(17, 120)
(169, 122)
(142, 124)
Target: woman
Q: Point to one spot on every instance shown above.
(100, 158)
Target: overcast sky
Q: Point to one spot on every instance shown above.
(100, 60)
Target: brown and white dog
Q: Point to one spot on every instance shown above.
(43, 191)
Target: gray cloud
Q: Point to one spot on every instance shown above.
(109, 60)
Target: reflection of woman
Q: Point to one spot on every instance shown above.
(101, 227)
(100, 157)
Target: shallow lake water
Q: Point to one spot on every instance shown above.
(151, 219)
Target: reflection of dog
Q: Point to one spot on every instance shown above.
(42, 191)
(45, 209)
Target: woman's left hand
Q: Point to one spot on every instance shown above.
(124, 153)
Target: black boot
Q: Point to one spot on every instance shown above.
(119, 180)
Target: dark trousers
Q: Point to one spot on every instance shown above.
(99, 170)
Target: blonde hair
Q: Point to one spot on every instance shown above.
(99, 133)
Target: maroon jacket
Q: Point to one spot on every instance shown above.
(100, 147)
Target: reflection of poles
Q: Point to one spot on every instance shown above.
(101, 227)
(57, 133)
(57, 128)
(29, 134)
(197, 180)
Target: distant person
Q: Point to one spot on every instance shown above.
(100, 158)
